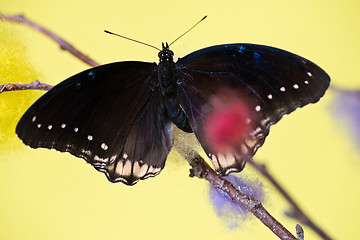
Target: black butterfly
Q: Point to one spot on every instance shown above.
(119, 117)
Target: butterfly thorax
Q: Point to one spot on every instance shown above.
(166, 72)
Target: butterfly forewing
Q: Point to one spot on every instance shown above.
(272, 83)
(100, 115)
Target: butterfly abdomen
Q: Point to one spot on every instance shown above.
(177, 115)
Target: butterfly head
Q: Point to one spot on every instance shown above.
(166, 55)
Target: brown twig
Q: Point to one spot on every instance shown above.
(64, 45)
(36, 85)
(297, 212)
(201, 169)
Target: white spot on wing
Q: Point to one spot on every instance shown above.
(39, 125)
(63, 125)
(89, 137)
(33, 119)
(230, 158)
(127, 168)
(139, 171)
(86, 152)
(309, 74)
(125, 156)
(68, 146)
(119, 168)
(97, 158)
(76, 129)
(143, 170)
(104, 146)
(306, 82)
(257, 108)
(222, 160)
(151, 169)
(215, 162)
(295, 86)
(136, 169)
(282, 89)
(49, 127)
(270, 96)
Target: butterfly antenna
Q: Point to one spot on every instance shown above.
(188, 30)
(132, 39)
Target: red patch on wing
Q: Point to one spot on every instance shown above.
(227, 123)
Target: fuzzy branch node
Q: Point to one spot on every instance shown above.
(201, 169)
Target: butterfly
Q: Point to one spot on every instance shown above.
(120, 117)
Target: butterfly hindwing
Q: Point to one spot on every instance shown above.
(271, 82)
(100, 115)
(145, 143)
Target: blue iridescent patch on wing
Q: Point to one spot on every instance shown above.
(91, 74)
(258, 59)
(240, 48)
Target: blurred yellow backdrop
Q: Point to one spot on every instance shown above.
(50, 195)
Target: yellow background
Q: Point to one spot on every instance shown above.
(50, 195)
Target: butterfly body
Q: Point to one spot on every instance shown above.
(119, 117)
(168, 85)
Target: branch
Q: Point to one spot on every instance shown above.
(64, 45)
(36, 85)
(297, 212)
(201, 169)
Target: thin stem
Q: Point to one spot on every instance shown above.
(64, 45)
(297, 212)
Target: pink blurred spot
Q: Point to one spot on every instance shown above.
(227, 123)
